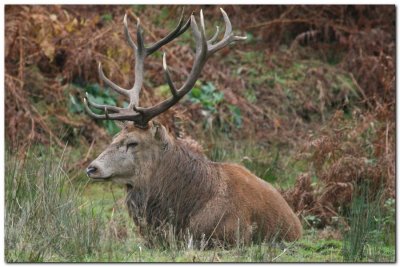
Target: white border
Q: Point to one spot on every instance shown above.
(154, 2)
(202, 2)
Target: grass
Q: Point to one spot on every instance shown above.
(50, 218)
(368, 238)
(43, 219)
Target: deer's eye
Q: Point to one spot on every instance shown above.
(131, 145)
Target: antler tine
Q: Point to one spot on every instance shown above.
(201, 45)
(179, 29)
(117, 88)
(212, 39)
(228, 24)
(121, 115)
(140, 46)
(168, 77)
(90, 112)
(103, 107)
(140, 54)
(202, 23)
(228, 35)
(127, 34)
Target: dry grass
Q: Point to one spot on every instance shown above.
(344, 155)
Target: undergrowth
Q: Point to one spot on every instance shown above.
(49, 218)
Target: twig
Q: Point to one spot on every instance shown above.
(387, 139)
(21, 56)
(283, 252)
(89, 151)
(308, 21)
(87, 43)
(215, 228)
(280, 21)
(387, 147)
(361, 90)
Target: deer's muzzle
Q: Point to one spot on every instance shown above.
(90, 170)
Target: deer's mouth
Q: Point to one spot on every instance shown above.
(100, 179)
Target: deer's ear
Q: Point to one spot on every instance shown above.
(156, 130)
(159, 132)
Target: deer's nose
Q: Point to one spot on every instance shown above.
(90, 170)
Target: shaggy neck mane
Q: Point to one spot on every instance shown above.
(181, 184)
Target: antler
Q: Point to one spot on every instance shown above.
(204, 48)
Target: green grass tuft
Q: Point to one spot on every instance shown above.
(368, 237)
(43, 218)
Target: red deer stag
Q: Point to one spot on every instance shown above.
(170, 183)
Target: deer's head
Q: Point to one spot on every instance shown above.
(132, 154)
(140, 144)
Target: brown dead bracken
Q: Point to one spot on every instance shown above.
(171, 185)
